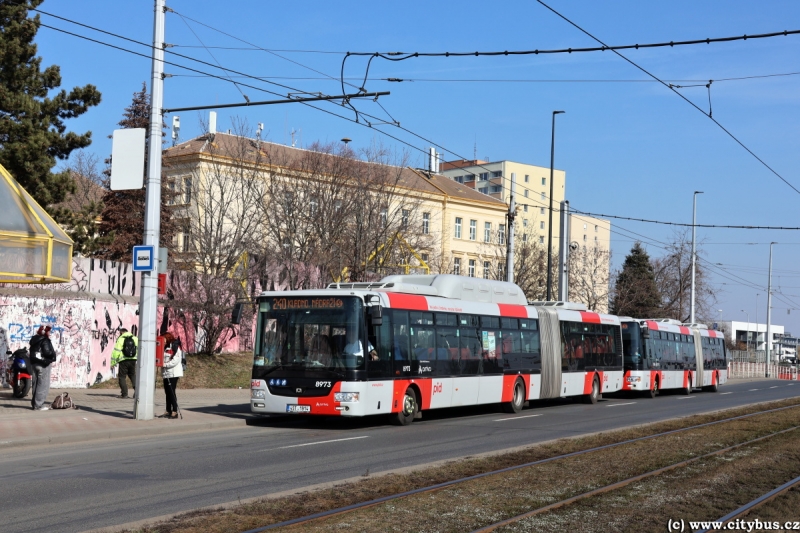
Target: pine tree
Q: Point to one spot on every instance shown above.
(636, 293)
(32, 131)
(122, 224)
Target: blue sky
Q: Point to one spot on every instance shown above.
(629, 148)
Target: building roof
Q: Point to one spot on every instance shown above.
(228, 145)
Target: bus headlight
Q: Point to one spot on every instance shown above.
(345, 396)
(634, 379)
(255, 393)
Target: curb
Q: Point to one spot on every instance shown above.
(144, 432)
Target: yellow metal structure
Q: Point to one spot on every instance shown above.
(33, 247)
(239, 271)
(381, 263)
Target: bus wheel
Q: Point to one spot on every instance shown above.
(409, 410)
(517, 401)
(593, 396)
(712, 388)
(653, 392)
(687, 390)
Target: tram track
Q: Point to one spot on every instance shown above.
(316, 517)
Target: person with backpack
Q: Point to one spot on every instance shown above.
(171, 372)
(42, 356)
(124, 354)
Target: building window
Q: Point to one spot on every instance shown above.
(584, 238)
(501, 271)
(484, 190)
(484, 176)
(469, 177)
(497, 174)
(501, 234)
(544, 181)
(526, 193)
(524, 237)
(541, 239)
(471, 268)
(496, 188)
(458, 227)
(595, 238)
(172, 192)
(404, 218)
(487, 232)
(426, 223)
(524, 222)
(384, 217)
(337, 205)
(595, 227)
(541, 224)
(541, 210)
(473, 230)
(424, 258)
(487, 266)
(186, 245)
(527, 178)
(525, 208)
(312, 205)
(543, 197)
(459, 179)
(187, 190)
(584, 227)
(457, 266)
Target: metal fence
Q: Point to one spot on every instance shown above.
(751, 356)
(740, 369)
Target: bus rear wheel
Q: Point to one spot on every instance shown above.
(517, 400)
(593, 396)
(714, 387)
(687, 390)
(653, 392)
(408, 410)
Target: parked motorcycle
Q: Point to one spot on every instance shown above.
(18, 372)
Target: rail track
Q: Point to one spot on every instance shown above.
(561, 503)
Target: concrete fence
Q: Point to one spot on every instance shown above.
(737, 369)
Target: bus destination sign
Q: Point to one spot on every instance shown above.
(307, 303)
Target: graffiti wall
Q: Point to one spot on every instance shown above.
(86, 315)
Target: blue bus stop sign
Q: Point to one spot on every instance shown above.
(144, 258)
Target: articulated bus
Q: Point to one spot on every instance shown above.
(664, 354)
(411, 343)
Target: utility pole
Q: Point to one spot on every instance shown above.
(512, 212)
(694, 223)
(148, 303)
(550, 222)
(769, 309)
(563, 254)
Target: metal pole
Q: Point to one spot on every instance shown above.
(756, 342)
(563, 254)
(694, 222)
(550, 222)
(148, 304)
(769, 309)
(747, 338)
(512, 206)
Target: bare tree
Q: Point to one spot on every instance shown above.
(673, 275)
(589, 281)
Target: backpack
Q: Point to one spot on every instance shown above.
(48, 352)
(63, 401)
(129, 347)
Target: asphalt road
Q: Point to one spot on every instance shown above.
(79, 487)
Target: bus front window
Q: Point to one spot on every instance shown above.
(310, 332)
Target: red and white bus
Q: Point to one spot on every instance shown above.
(665, 354)
(411, 343)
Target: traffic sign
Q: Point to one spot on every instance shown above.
(144, 259)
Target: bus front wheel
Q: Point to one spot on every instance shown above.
(408, 410)
(687, 390)
(653, 392)
(517, 400)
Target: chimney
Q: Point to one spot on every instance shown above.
(432, 159)
(212, 122)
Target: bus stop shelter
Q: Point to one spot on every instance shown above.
(33, 247)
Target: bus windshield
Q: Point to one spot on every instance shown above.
(321, 333)
(632, 344)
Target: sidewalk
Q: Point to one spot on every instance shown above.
(100, 416)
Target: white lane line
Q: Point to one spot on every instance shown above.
(688, 398)
(723, 393)
(790, 385)
(751, 390)
(775, 387)
(321, 442)
(618, 404)
(514, 418)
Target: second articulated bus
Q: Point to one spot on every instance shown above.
(664, 354)
(411, 343)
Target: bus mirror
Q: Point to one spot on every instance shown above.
(376, 315)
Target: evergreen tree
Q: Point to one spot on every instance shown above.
(636, 293)
(32, 130)
(122, 219)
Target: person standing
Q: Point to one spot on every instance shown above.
(42, 356)
(171, 372)
(124, 354)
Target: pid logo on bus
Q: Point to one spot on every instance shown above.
(438, 388)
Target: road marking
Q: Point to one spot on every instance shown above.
(724, 393)
(790, 385)
(688, 398)
(775, 387)
(751, 390)
(617, 404)
(514, 418)
(321, 442)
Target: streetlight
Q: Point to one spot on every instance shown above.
(694, 223)
(550, 223)
(747, 338)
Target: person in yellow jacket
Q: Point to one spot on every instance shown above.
(125, 353)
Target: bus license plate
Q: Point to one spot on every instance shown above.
(292, 408)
